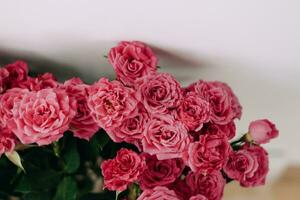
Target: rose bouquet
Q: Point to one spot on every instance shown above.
(142, 136)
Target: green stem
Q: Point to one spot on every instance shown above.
(239, 140)
(117, 194)
(56, 149)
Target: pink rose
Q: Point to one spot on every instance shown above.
(132, 60)
(43, 81)
(254, 175)
(210, 185)
(7, 141)
(240, 163)
(160, 92)
(158, 193)
(198, 197)
(123, 170)
(160, 172)
(111, 102)
(132, 128)
(208, 154)
(165, 137)
(215, 129)
(7, 102)
(262, 131)
(3, 79)
(182, 190)
(83, 125)
(194, 111)
(17, 72)
(42, 117)
(224, 104)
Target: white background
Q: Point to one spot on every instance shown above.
(253, 45)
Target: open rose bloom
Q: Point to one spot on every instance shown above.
(141, 136)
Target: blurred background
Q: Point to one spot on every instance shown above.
(252, 45)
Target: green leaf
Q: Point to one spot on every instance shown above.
(71, 157)
(67, 190)
(7, 173)
(15, 158)
(39, 180)
(37, 196)
(3, 195)
(95, 146)
(100, 140)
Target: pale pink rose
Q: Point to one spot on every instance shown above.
(194, 111)
(18, 72)
(132, 128)
(210, 185)
(256, 176)
(123, 170)
(43, 81)
(160, 172)
(7, 102)
(182, 190)
(3, 79)
(158, 193)
(228, 130)
(240, 164)
(225, 106)
(132, 60)
(198, 197)
(42, 117)
(165, 137)
(7, 141)
(83, 124)
(160, 92)
(111, 102)
(262, 131)
(208, 154)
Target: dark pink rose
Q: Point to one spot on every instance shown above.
(132, 128)
(123, 170)
(165, 137)
(256, 176)
(160, 172)
(40, 82)
(3, 79)
(83, 124)
(194, 111)
(210, 185)
(216, 129)
(198, 197)
(182, 190)
(158, 193)
(132, 60)
(240, 163)
(111, 102)
(160, 92)
(262, 131)
(7, 141)
(7, 102)
(208, 154)
(223, 103)
(42, 117)
(18, 72)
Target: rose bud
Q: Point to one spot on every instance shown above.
(262, 131)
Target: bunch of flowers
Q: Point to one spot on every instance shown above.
(165, 141)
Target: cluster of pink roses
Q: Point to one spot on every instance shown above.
(40, 109)
(182, 133)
